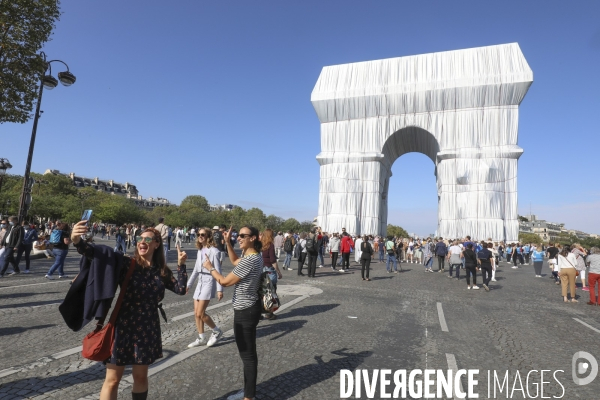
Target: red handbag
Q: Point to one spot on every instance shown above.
(97, 345)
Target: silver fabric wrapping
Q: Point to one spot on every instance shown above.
(460, 108)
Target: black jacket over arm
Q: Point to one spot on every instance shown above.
(90, 296)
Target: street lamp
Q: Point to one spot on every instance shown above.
(4, 165)
(49, 82)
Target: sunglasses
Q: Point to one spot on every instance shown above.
(203, 235)
(141, 239)
(244, 235)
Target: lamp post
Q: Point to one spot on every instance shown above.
(49, 82)
(4, 165)
(6, 210)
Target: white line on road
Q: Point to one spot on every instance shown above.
(451, 360)
(193, 351)
(441, 317)
(34, 284)
(588, 325)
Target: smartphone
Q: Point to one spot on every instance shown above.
(87, 215)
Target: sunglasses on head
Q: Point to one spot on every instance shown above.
(142, 239)
(244, 235)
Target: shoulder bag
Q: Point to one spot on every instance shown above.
(97, 345)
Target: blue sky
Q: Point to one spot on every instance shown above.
(213, 98)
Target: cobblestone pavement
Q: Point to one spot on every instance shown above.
(333, 322)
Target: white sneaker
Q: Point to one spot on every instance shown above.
(320, 266)
(469, 287)
(197, 343)
(27, 271)
(238, 396)
(49, 277)
(214, 337)
(475, 287)
(514, 267)
(493, 280)
(341, 270)
(63, 276)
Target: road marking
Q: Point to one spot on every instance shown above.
(441, 317)
(156, 368)
(451, 360)
(190, 314)
(588, 325)
(33, 284)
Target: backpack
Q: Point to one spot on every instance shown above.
(287, 245)
(311, 244)
(268, 294)
(55, 236)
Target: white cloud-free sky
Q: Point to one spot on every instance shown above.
(213, 98)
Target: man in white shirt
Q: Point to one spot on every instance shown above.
(164, 234)
(278, 243)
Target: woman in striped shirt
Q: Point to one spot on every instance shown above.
(246, 305)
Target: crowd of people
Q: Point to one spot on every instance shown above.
(260, 253)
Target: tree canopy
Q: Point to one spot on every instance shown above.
(397, 231)
(25, 25)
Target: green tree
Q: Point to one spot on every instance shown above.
(291, 224)
(397, 231)
(118, 210)
(255, 217)
(306, 226)
(195, 202)
(529, 238)
(274, 222)
(25, 25)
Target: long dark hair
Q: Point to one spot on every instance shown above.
(158, 258)
(254, 232)
(565, 251)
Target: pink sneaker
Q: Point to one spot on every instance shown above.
(587, 289)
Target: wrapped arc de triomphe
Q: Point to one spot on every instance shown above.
(460, 108)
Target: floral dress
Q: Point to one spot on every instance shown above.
(137, 329)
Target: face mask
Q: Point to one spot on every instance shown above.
(11, 223)
(2, 225)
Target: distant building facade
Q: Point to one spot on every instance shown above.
(111, 187)
(223, 207)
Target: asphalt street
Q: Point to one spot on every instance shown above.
(406, 321)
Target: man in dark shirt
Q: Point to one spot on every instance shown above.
(12, 240)
(441, 251)
(485, 259)
(552, 253)
(219, 240)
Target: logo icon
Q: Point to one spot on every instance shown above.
(580, 368)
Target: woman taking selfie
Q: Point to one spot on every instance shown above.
(206, 289)
(246, 304)
(137, 340)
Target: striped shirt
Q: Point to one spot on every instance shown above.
(249, 270)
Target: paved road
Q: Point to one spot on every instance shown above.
(411, 320)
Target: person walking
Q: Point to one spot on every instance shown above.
(538, 261)
(121, 238)
(580, 256)
(288, 247)
(390, 248)
(312, 251)
(270, 261)
(441, 252)
(567, 272)
(381, 249)
(552, 253)
(509, 251)
(484, 256)
(366, 253)
(470, 265)
(517, 255)
(593, 261)
(164, 234)
(334, 249)
(346, 246)
(30, 235)
(428, 251)
(301, 249)
(278, 243)
(12, 240)
(246, 303)
(206, 289)
(60, 240)
(454, 259)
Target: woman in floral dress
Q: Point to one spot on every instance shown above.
(137, 329)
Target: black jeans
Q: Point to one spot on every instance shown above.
(9, 257)
(441, 260)
(486, 273)
(457, 268)
(301, 258)
(365, 264)
(312, 263)
(471, 270)
(24, 248)
(346, 260)
(334, 257)
(244, 329)
(517, 257)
